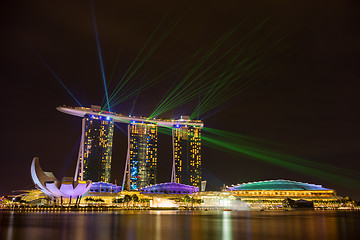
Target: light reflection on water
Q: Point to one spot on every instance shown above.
(226, 226)
(165, 224)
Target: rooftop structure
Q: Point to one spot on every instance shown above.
(103, 187)
(277, 185)
(116, 117)
(169, 188)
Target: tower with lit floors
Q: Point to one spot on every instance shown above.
(94, 161)
(141, 161)
(141, 165)
(186, 155)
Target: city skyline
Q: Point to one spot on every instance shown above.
(303, 102)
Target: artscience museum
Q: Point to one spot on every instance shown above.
(47, 183)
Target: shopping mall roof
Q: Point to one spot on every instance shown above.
(169, 188)
(277, 185)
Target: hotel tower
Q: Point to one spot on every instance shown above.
(143, 154)
(94, 161)
(186, 154)
(98, 139)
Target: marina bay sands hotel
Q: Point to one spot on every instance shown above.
(94, 159)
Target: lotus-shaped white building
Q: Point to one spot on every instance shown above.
(51, 186)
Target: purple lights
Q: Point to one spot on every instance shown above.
(169, 188)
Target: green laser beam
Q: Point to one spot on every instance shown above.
(177, 93)
(252, 144)
(133, 69)
(229, 142)
(220, 93)
(282, 162)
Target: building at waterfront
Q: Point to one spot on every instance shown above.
(142, 154)
(187, 154)
(94, 160)
(274, 192)
(48, 184)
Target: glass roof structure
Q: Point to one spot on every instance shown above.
(105, 187)
(169, 188)
(277, 185)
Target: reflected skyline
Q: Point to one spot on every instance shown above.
(170, 224)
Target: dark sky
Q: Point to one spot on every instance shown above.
(305, 96)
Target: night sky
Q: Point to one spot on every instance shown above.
(303, 97)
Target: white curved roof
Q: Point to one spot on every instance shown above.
(51, 186)
(82, 111)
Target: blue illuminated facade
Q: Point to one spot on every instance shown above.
(143, 154)
(102, 187)
(169, 188)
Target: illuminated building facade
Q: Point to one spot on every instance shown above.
(97, 148)
(187, 155)
(142, 154)
(274, 192)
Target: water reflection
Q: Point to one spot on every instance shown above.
(226, 226)
(158, 225)
(248, 226)
(11, 227)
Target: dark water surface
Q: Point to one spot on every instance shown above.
(165, 224)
